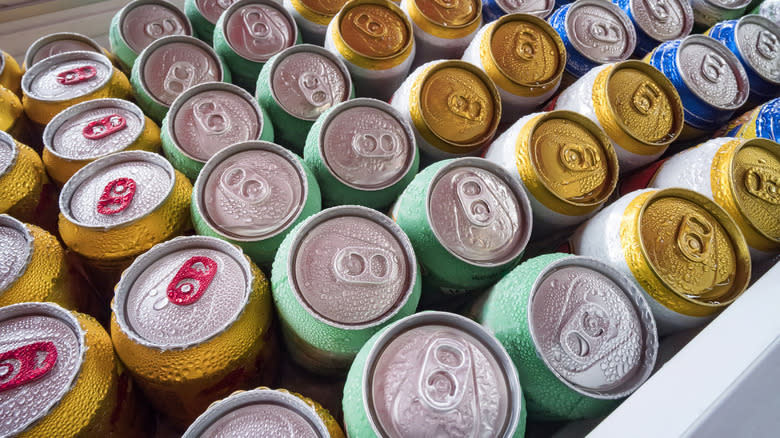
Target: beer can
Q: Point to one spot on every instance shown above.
(760, 122)
(442, 30)
(141, 22)
(635, 104)
(61, 42)
(469, 221)
(203, 15)
(433, 371)
(657, 21)
(297, 85)
(252, 194)
(313, 17)
(59, 376)
(374, 39)
(453, 107)
(94, 129)
(579, 332)
(684, 251)
(564, 162)
(12, 118)
(10, 73)
(207, 118)
(338, 278)
(708, 12)
(249, 33)
(494, 9)
(769, 9)
(362, 152)
(525, 58)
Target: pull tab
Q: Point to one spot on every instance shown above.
(370, 25)
(763, 184)
(526, 44)
(244, 184)
(695, 238)
(314, 89)
(579, 157)
(605, 32)
(365, 266)
(26, 364)
(659, 10)
(376, 144)
(466, 107)
(160, 28)
(192, 280)
(445, 374)
(476, 202)
(116, 196)
(211, 117)
(77, 75)
(645, 97)
(180, 77)
(256, 23)
(712, 67)
(97, 129)
(224, 4)
(767, 44)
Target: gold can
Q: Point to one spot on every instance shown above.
(10, 73)
(442, 29)
(313, 16)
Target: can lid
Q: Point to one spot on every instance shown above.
(366, 144)
(212, 116)
(375, 30)
(183, 292)
(67, 76)
(729, 4)
(600, 31)
(351, 267)
(16, 251)
(143, 21)
(57, 43)
(259, 29)
(758, 40)
(432, 367)
(328, 8)
(450, 14)
(478, 212)
(41, 352)
(8, 152)
(539, 8)
(212, 9)
(755, 182)
(663, 20)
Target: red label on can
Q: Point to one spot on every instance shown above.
(192, 280)
(116, 196)
(640, 179)
(26, 364)
(97, 129)
(76, 75)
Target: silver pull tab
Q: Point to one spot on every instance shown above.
(366, 266)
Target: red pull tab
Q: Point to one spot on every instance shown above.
(116, 196)
(104, 127)
(30, 362)
(192, 280)
(76, 75)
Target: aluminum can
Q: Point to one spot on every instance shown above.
(708, 12)
(525, 58)
(313, 17)
(252, 194)
(436, 372)
(94, 129)
(453, 107)
(203, 15)
(362, 152)
(265, 412)
(374, 39)
(760, 122)
(580, 333)
(657, 21)
(61, 42)
(494, 9)
(338, 278)
(68, 383)
(249, 33)
(299, 84)
(769, 9)
(637, 107)
(564, 162)
(141, 22)
(208, 118)
(442, 30)
(10, 73)
(684, 251)
(12, 118)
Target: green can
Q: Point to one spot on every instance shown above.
(362, 152)
(579, 332)
(297, 85)
(252, 194)
(208, 118)
(338, 278)
(204, 15)
(436, 372)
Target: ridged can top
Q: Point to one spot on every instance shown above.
(758, 40)
(712, 72)
(143, 22)
(539, 8)
(600, 31)
(16, 249)
(258, 30)
(374, 30)
(67, 76)
(8, 152)
(663, 20)
(450, 14)
(57, 43)
(212, 9)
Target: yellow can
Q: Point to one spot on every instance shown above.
(12, 118)
(10, 73)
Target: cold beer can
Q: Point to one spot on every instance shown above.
(760, 122)
(203, 15)
(494, 9)
(657, 21)
(769, 9)
(10, 73)
(708, 12)
(442, 30)
(313, 17)
(61, 42)
(13, 121)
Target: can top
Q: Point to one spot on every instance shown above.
(366, 144)
(57, 43)
(729, 4)
(143, 21)
(211, 116)
(600, 31)
(663, 20)
(758, 40)
(251, 191)
(67, 76)
(182, 292)
(375, 29)
(259, 29)
(327, 8)
(360, 257)
(755, 176)
(478, 212)
(16, 250)
(539, 8)
(8, 152)
(212, 9)
(117, 190)
(450, 14)
(431, 367)
(41, 352)
(592, 327)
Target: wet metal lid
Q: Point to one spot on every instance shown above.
(755, 182)
(592, 327)
(663, 20)
(41, 352)
(366, 144)
(144, 21)
(8, 152)
(306, 80)
(328, 8)
(117, 190)
(351, 267)
(375, 30)
(600, 31)
(539, 8)
(251, 191)
(440, 373)
(449, 13)
(57, 43)
(478, 212)
(258, 30)
(758, 40)
(183, 292)
(212, 9)
(729, 4)
(212, 116)
(16, 250)
(67, 76)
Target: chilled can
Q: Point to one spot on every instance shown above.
(442, 30)
(525, 58)
(12, 118)
(313, 17)
(208, 118)
(769, 9)
(249, 33)
(10, 73)
(141, 22)
(362, 152)
(94, 129)
(636, 105)
(299, 84)
(760, 122)
(338, 278)
(61, 42)
(494, 9)
(374, 39)
(657, 21)
(203, 15)
(252, 194)
(708, 12)
(564, 162)
(435, 372)
(684, 251)
(580, 333)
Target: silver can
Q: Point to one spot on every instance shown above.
(57, 43)
(708, 12)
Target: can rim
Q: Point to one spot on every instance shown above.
(762, 21)
(379, 219)
(122, 15)
(516, 402)
(687, 26)
(20, 227)
(438, 27)
(379, 105)
(544, 13)
(149, 258)
(7, 139)
(220, 157)
(33, 72)
(227, 14)
(2, 61)
(40, 42)
(360, 59)
(311, 15)
(628, 26)
(740, 5)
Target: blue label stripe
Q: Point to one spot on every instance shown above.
(576, 63)
(491, 11)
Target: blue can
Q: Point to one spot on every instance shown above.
(494, 9)
(657, 21)
(760, 122)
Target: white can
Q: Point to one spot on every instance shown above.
(442, 29)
